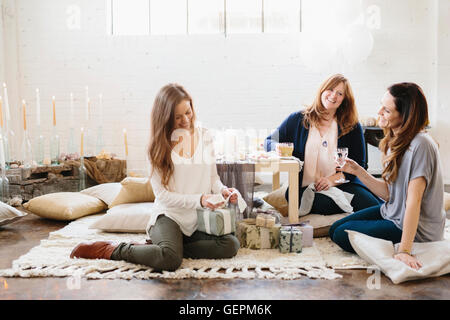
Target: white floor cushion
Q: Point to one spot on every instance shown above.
(128, 217)
(434, 256)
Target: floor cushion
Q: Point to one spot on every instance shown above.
(134, 190)
(9, 214)
(64, 206)
(434, 257)
(128, 217)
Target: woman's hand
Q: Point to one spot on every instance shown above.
(226, 193)
(206, 204)
(323, 184)
(409, 260)
(351, 167)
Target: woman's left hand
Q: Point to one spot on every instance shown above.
(323, 184)
(226, 193)
(410, 261)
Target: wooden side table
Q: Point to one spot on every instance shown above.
(292, 167)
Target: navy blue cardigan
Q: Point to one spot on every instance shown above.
(292, 130)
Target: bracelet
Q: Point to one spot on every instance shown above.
(404, 251)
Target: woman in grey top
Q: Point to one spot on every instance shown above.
(412, 184)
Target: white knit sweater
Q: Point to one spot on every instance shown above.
(191, 178)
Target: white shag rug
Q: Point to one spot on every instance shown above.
(51, 259)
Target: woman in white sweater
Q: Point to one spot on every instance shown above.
(184, 177)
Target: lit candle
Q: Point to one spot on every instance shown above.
(82, 142)
(5, 96)
(54, 111)
(71, 110)
(1, 112)
(100, 97)
(24, 115)
(125, 140)
(38, 108)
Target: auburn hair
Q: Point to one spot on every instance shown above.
(346, 114)
(162, 122)
(412, 105)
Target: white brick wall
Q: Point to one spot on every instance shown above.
(238, 81)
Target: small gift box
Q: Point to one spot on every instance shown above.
(307, 231)
(265, 220)
(254, 237)
(290, 239)
(216, 222)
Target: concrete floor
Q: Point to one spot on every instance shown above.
(19, 237)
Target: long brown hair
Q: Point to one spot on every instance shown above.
(162, 126)
(346, 114)
(412, 105)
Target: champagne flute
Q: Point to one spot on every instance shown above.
(340, 156)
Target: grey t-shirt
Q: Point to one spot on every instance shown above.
(420, 160)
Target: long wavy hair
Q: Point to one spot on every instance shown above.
(346, 114)
(162, 126)
(412, 105)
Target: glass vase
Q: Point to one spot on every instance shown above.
(27, 151)
(39, 148)
(99, 143)
(54, 148)
(10, 147)
(82, 175)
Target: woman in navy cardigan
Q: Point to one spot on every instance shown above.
(329, 123)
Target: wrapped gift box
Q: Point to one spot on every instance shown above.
(216, 222)
(254, 237)
(307, 232)
(290, 239)
(265, 220)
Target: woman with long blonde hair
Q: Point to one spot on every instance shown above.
(184, 176)
(411, 184)
(330, 122)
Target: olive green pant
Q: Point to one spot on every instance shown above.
(170, 246)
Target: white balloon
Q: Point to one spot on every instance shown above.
(358, 44)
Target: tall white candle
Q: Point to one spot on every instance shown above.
(87, 103)
(2, 153)
(71, 110)
(1, 112)
(38, 108)
(82, 143)
(5, 97)
(100, 97)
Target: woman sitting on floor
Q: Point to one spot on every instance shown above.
(184, 176)
(412, 182)
(316, 132)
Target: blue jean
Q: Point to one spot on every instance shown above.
(368, 221)
(322, 204)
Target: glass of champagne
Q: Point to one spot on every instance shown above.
(340, 156)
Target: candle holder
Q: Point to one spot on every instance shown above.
(89, 142)
(99, 144)
(54, 148)
(82, 174)
(10, 150)
(4, 183)
(4, 186)
(27, 151)
(71, 148)
(39, 145)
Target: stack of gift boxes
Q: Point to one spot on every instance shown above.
(265, 232)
